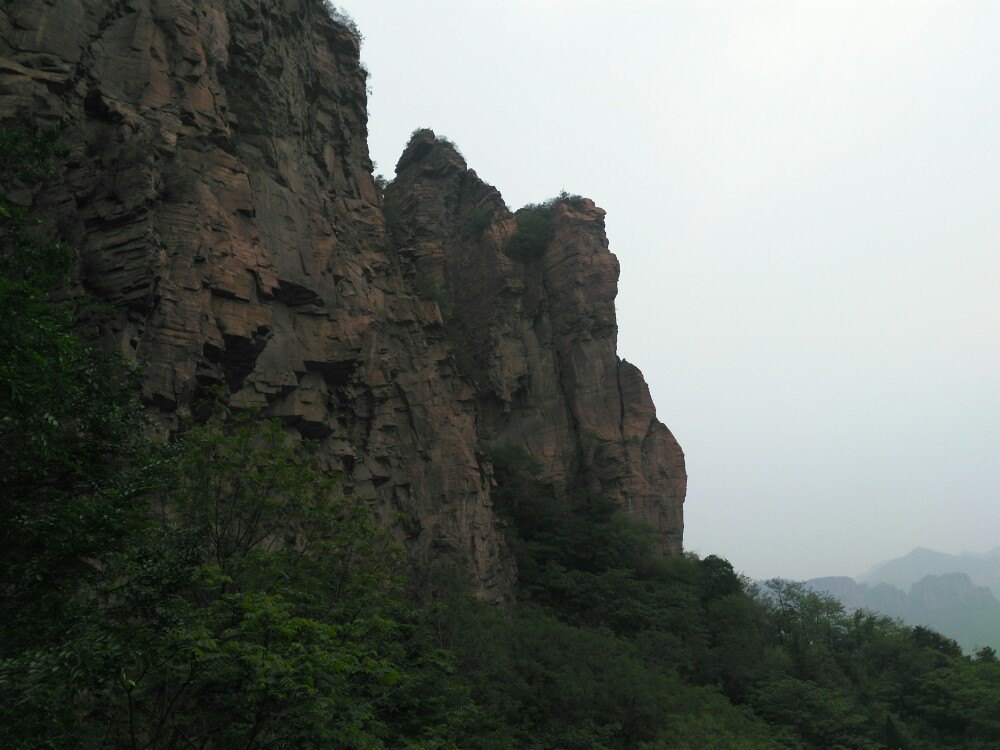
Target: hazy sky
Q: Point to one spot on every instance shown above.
(805, 200)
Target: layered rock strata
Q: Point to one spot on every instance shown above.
(538, 336)
(220, 193)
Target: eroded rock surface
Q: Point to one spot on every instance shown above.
(539, 336)
(221, 195)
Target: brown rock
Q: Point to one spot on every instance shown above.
(221, 195)
(540, 335)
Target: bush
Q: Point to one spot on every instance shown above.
(532, 235)
(478, 221)
(534, 226)
(68, 414)
(258, 607)
(431, 289)
(341, 17)
(442, 140)
(574, 200)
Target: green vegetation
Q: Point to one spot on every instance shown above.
(444, 141)
(67, 416)
(532, 235)
(437, 292)
(534, 226)
(342, 18)
(440, 139)
(478, 222)
(726, 665)
(220, 591)
(575, 201)
(951, 604)
(254, 606)
(215, 592)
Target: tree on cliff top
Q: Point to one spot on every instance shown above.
(534, 226)
(342, 18)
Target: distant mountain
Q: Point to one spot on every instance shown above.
(950, 603)
(903, 572)
(993, 554)
(882, 597)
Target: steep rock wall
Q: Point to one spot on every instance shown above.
(538, 336)
(220, 193)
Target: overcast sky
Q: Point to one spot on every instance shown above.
(805, 200)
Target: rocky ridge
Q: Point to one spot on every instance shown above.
(538, 336)
(221, 195)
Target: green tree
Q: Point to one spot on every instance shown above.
(217, 591)
(533, 230)
(69, 418)
(257, 607)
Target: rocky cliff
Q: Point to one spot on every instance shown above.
(221, 197)
(538, 335)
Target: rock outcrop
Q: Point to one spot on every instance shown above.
(539, 335)
(221, 196)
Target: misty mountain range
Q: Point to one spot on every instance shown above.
(956, 595)
(982, 568)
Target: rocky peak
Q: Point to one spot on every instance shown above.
(538, 334)
(432, 152)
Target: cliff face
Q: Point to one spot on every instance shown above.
(221, 196)
(538, 336)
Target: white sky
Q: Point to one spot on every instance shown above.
(805, 200)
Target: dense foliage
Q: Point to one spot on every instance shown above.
(343, 18)
(724, 663)
(534, 226)
(67, 416)
(219, 591)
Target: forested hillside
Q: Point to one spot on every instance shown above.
(949, 603)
